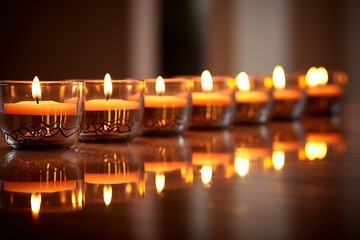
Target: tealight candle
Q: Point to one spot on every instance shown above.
(253, 99)
(167, 106)
(324, 91)
(41, 115)
(288, 94)
(213, 101)
(113, 110)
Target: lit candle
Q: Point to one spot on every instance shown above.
(166, 106)
(40, 123)
(289, 98)
(212, 107)
(253, 101)
(113, 114)
(38, 107)
(323, 95)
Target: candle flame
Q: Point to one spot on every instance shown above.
(243, 82)
(160, 85)
(36, 90)
(316, 76)
(107, 194)
(206, 174)
(315, 150)
(278, 159)
(279, 77)
(35, 204)
(107, 86)
(206, 81)
(159, 182)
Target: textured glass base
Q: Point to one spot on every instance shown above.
(40, 132)
(110, 126)
(208, 117)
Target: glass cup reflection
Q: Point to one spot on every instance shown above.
(112, 175)
(168, 166)
(49, 182)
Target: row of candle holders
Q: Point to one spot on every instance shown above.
(67, 180)
(57, 114)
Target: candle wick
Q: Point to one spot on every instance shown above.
(37, 100)
(107, 97)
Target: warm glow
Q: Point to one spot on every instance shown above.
(36, 90)
(35, 203)
(128, 188)
(316, 76)
(107, 86)
(160, 86)
(242, 166)
(206, 174)
(278, 158)
(206, 81)
(107, 194)
(159, 182)
(279, 77)
(315, 150)
(243, 82)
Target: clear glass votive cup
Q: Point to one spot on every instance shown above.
(253, 99)
(41, 115)
(167, 106)
(215, 108)
(289, 101)
(114, 114)
(326, 99)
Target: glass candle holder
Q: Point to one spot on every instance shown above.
(253, 99)
(167, 106)
(41, 115)
(289, 97)
(324, 98)
(50, 182)
(112, 175)
(213, 100)
(113, 110)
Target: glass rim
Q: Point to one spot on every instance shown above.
(130, 80)
(41, 82)
(169, 80)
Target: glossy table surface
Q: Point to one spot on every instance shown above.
(280, 180)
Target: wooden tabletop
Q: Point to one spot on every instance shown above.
(280, 180)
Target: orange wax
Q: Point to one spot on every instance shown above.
(39, 187)
(329, 90)
(286, 94)
(111, 104)
(111, 178)
(210, 158)
(204, 99)
(41, 108)
(154, 101)
(163, 166)
(324, 137)
(251, 97)
(286, 146)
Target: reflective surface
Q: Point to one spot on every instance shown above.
(280, 180)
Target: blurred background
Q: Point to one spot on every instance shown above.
(146, 38)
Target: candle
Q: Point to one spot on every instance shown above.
(289, 97)
(166, 106)
(324, 91)
(49, 120)
(253, 99)
(113, 110)
(213, 101)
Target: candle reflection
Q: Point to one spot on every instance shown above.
(112, 176)
(47, 184)
(168, 167)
